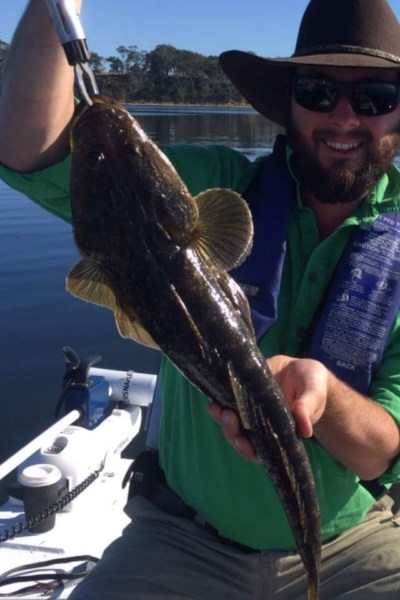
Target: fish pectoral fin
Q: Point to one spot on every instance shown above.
(224, 232)
(87, 281)
(131, 327)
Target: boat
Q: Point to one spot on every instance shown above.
(47, 548)
(104, 412)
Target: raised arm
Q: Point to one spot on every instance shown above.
(36, 100)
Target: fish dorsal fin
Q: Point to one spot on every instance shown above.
(87, 281)
(131, 327)
(224, 232)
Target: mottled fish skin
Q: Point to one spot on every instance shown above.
(142, 237)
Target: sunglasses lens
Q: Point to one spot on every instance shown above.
(374, 99)
(315, 94)
(367, 99)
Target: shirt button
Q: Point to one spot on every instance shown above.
(312, 277)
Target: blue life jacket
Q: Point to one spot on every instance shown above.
(350, 330)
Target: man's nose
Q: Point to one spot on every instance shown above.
(343, 113)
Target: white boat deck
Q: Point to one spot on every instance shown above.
(88, 524)
(96, 519)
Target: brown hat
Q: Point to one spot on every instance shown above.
(337, 33)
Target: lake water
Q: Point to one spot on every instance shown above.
(38, 317)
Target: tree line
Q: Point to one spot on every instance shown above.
(163, 75)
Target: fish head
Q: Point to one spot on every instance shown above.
(121, 183)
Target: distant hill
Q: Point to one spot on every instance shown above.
(163, 75)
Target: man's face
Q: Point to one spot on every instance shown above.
(340, 155)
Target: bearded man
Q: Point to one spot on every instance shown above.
(326, 205)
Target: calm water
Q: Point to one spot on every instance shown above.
(38, 317)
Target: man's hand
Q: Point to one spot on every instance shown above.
(304, 384)
(355, 429)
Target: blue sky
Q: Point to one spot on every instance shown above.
(205, 26)
(267, 27)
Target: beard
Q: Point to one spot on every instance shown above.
(342, 183)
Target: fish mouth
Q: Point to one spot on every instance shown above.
(84, 110)
(80, 115)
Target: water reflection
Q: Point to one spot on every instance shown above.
(243, 129)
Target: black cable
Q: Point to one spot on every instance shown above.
(54, 579)
(8, 534)
(49, 563)
(40, 577)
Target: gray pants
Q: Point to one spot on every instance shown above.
(162, 557)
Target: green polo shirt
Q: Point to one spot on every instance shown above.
(234, 495)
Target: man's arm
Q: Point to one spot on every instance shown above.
(354, 429)
(37, 100)
(357, 431)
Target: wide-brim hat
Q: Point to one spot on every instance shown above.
(335, 33)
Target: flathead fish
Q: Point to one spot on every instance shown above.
(159, 258)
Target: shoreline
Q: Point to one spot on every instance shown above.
(194, 105)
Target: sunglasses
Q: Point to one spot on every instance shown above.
(368, 99)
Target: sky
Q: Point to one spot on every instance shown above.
(266, 27)
(205, 26)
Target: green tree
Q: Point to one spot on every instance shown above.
(166, 74)
(4, 47)
(96, 63)
(183, 76)
(134, 69)
(116, 64)
(132, 58)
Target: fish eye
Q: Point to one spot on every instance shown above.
(94, 159)
(132, 151)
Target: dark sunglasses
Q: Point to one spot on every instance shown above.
(368, 99)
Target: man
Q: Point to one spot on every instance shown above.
(330, 203)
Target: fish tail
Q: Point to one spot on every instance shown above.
(313, 590)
